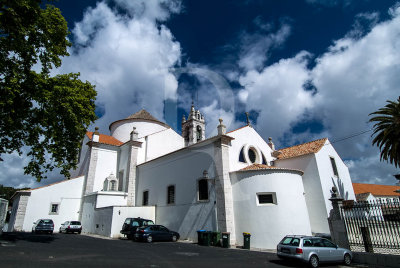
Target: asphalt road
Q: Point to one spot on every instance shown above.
(72, 250)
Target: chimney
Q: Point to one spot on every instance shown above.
(96, 135)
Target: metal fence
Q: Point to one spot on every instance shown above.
(372, 226)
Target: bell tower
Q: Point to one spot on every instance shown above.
(194, 128)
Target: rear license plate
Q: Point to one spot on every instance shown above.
(285, 250)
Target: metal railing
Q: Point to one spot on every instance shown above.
(372, 226)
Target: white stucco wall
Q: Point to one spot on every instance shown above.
(182, 169)
(328, 179)
(66, 193)
(106, 164)
(246, 137)
(313, 190)
(108, 221)
(121, 130)
(106, 199)
(161, 143)
(269, 223)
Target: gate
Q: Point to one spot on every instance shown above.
(372, 226)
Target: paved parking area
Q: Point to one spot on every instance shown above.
(72, 250)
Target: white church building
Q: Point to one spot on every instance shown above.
(234, 182)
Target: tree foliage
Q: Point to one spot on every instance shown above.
(46, 115)
(387, 131)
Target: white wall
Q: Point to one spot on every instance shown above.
(121, 130)
(328, 179)
(106, 199)
(106, 164)
(162, 143)
(269, 223)
(66, 193)
(182, 169)
(312, 188)
(246, 136)
(108, 221)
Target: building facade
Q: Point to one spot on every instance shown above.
(233, 182)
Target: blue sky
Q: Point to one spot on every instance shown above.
(304, 70)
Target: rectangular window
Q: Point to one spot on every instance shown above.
(203, 190)
(145, 201)
(171, 194)
(121, 181)
(266, 198)
(54, 208)
(334, 168)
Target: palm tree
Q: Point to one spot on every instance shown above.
(387, 131)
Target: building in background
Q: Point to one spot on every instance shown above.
(233, 182)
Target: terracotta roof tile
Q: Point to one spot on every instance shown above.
(142, 115)
(264, 167)
(302, 149)
(105, 139)
(376, 189)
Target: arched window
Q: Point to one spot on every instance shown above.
(198, 133)
(113, 185)
(241, 156)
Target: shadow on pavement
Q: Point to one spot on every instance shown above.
(30, 237)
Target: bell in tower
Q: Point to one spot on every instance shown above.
(194, 128)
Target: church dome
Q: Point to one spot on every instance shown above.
(143, 121)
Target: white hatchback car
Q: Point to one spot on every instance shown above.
(71, 227)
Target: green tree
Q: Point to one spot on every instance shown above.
(47, 115)
(387, 131)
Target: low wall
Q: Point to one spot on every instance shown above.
(377, 260)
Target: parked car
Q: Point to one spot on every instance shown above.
(313, 250)
(131, 224)
(71, 227)
(155, 233)
(43, 225)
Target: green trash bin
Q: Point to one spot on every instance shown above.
(226, 240)
(215, 239)
(200, 237)
(246, 240)
(207, 238)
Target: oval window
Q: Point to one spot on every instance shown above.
(252, 155)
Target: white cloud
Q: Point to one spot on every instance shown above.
(127, 57)
(277, 94)
(353, 78)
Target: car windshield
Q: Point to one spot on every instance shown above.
(290, 241)
(75, 223)
(47, 221)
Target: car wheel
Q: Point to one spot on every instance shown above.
(149, 239)
(174, 238)
(51, 232)
(79, 232)
(314, 262)
(129, 236)
(347, 259)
